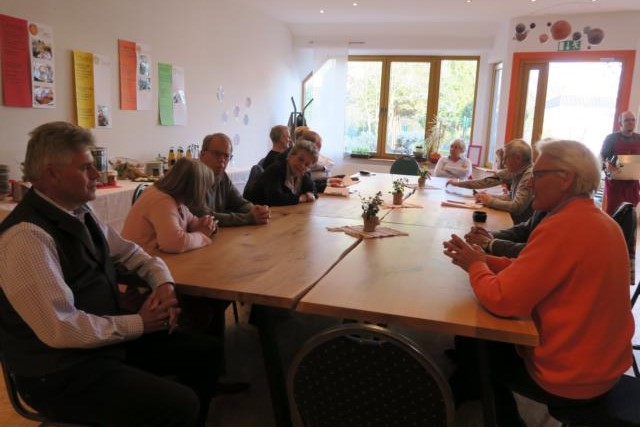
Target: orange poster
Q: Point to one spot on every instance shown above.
(16, 73)
(128, 75)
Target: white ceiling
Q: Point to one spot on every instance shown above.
(408, 18)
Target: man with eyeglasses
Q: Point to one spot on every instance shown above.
(572, 280)
(517, 158)
(620, 143)
(224, 201)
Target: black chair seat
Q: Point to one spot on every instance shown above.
(618, 408)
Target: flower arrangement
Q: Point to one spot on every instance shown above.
(435, 134)
(371, 205)
(399, 185)
(424, 173)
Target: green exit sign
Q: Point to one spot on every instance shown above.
(569, 45)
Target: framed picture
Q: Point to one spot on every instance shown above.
(474, 154)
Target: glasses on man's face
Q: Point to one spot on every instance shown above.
(221, 154)
(537, 174)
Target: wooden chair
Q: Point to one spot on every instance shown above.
(405, 165)
(361, 374)
(618, 408)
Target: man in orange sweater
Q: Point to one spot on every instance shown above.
(572, 279)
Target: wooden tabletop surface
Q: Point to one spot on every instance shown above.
(263, 264)
(407, 280)
(294, 262)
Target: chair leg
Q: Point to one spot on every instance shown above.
(235, 312)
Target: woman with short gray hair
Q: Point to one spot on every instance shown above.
(288, 181)
(455, 165)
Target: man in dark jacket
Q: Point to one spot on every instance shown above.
(77, 356)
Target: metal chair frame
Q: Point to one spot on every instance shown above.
(20, 407)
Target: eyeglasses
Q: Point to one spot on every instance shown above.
(542, 172)
(221, 154)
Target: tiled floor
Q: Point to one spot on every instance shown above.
(252, 409)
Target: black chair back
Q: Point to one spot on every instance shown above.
(366, 375)
(138, 192)
(405, 165)
(254, 174)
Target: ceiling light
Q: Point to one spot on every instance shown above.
(355, 4)
(468, 1)
(322, 11)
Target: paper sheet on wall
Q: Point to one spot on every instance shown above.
(102, 90)
(14, 51)
(83, 81)
(43, 92)
(143, 90)
(128, 74)
(179, 99)
(165, 102)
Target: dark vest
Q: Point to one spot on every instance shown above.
(89, 273)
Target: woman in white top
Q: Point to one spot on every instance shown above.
(456, 165)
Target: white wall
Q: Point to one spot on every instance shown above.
(217, 43)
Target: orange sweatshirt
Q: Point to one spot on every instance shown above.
(572, 278)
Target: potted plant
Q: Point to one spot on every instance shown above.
(423, 176)
(435, 135)
(360, 153)
(370, 209)
(398, 190)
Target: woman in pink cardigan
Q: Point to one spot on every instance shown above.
(160, 219)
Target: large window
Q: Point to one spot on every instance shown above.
(394, 102)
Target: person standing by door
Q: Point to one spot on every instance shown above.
(626, 141)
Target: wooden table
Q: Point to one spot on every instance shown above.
(295, 263)
(270, 264)
(408, 281)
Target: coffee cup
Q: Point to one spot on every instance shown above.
(479, 216)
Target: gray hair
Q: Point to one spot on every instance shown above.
(576, 157)
(53, 143)
(304, 145)
(520, 148)
(187, 182)
(276, 132)
(460, 143)
(210, 139)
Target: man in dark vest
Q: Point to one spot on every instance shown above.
(77, 356)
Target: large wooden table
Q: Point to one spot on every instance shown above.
(295, 263)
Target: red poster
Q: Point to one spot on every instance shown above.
(16, 72)
(127, 56)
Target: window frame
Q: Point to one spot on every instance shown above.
(433, 86)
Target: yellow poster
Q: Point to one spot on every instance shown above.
(83, 79)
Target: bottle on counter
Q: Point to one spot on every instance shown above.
(180, 152)
(172, 157)
(189, 153)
